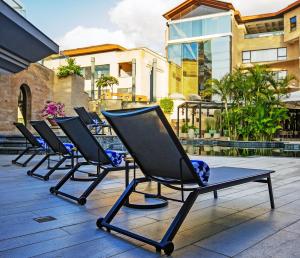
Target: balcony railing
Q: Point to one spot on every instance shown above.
(264, 34)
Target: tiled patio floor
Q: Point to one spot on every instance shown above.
(238, 224)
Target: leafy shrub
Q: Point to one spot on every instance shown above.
(167, 105)
(69, 69)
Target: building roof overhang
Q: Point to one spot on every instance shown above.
(279, 14)
(92, 50)
(21, 43)
(211, 3)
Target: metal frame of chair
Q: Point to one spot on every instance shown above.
(91, 151)
(146, 124)
(36, 146)
(57, 147)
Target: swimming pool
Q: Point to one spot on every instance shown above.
(217, 150)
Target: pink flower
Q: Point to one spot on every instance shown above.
(53, 109)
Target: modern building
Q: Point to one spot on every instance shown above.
(141, 72)
(207, 38)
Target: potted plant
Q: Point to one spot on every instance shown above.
(191, 132)
(218, 119)
(184, 130)
(53, 110)
(69, 69)
(207, 134)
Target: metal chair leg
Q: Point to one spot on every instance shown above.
(20, 155)
(30, 172)
(271, 192)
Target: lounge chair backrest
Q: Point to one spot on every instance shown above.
(151, 141)
(84, 115)
(49, 137)
(95, 116)
(84, 141)
(28, 135)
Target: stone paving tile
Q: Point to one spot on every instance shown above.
(239, 221)
(283, 244)
(235, 240)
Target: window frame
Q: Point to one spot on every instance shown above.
(279, 57)
(293, 24)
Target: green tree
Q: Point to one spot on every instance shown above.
(107, 81)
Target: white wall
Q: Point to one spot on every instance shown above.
(144, 59)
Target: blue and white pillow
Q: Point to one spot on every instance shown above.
(116, 157)
(42, 143)
(69, 146)
(202, 169)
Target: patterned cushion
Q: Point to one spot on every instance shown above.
(69, 146)
(42, 142)
(202, 169)
(116, 156)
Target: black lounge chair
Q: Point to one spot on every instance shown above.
(36, 146)
(93, 123)
(151, 141)
(91, 151)
(58, 149)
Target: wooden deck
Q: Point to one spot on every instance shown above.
(238, 224)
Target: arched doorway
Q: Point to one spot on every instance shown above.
(24, 104)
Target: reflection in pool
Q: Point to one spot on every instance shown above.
(215, 150)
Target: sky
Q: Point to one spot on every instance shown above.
(130, 23)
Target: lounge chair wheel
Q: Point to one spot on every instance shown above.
(82, 201)
(29, 173)
(99, 222)
(168, 248)
(13, 162)
(46, 178)
(52, 189)
(23, 165)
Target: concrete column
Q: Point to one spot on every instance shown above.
(93, 78)
(133, 90)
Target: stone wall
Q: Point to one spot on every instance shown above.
(39, 80)
(42, 85)
(70, 91)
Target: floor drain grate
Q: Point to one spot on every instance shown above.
(44, 219)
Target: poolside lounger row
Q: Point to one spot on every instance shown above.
(152, 143)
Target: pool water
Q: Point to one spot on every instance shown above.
(215, 150)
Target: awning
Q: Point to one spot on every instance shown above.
(21, 43)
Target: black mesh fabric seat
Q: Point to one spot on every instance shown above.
(89, 121)
(57, 147)
(151, 141)
(36, 146)
(91, 151)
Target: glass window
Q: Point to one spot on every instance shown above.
(282, 53)
(102, 70)
(266, 55)
(246, 57)
(174, 54)
(198, 28)
(192, 64)
(293, 23)
(281, 75)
